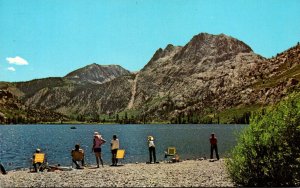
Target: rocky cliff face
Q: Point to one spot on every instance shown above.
(276, 77)
(213, 73)
(208, 72)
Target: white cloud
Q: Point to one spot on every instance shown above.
(11, 69)
(17, 60)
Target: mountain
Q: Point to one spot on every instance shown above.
(97, 74)
(212, 74)
(15, 111)
(206, 73)
(79, 92)
(213, 78)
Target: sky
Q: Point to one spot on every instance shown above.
(50, 38)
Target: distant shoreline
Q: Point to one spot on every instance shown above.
(156, 123)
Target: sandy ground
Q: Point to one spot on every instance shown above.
(187, 173)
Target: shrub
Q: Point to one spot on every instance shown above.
(268, 151)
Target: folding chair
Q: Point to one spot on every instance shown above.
(77, 155)
(39, 159)
(171, 151)
(120, 154)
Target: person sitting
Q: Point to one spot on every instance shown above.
(77, 155)
(38, 159)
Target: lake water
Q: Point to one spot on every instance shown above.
(18, 142)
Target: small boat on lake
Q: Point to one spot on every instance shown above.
(73, 128)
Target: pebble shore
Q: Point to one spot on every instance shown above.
(195, 173)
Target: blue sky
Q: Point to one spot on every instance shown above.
(43, 38)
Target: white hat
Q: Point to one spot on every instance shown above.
(96, 134)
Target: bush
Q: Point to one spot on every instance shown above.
(268, 151)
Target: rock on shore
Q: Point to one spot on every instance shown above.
(187, 173)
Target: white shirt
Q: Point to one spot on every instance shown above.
(151, 143)
(115, 144)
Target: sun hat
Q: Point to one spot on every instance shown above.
(96, 134)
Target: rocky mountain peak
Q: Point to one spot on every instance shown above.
(169, 51)
(205, 45)
(98, 74)
(169, 48)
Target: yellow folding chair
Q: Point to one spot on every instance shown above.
(39, 158)
(120, 154)
(171, 151)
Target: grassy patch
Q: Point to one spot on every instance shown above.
(275, 80)
(229, 115)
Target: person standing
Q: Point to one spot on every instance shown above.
(115, 144)
(97, 142)
(213, 145)
(151, 149)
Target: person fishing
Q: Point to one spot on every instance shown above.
(151, 149)
(114, 149)
(213, 145)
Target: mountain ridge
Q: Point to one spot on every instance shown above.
(208, 75)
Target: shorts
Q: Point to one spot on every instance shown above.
(97, 150)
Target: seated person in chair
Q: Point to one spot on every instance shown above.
(77, 155)
(38, 159)
(171, 151)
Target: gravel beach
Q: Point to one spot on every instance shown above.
(187, 173)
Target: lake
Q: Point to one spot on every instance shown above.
(18, 142)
